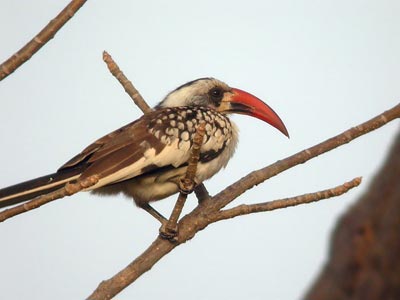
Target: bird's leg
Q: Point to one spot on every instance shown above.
(147, 207)
(169, 230)
(201, 192)
(186, 185)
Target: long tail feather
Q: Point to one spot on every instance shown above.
(29, 189)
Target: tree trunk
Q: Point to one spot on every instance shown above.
(364, 258)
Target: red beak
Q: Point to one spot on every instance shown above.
(245, 103)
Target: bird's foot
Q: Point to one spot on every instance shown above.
(186, 186)
(169, 231)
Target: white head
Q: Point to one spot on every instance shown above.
(213, 93)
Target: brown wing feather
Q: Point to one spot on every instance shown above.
(116, 158)
(125, 136)
(117, 149)
(114, 161)
(104, 143)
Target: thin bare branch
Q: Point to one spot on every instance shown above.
(201, 216)
(107, 289)
(126, 83)
(46, 34)
(67, 190)
(189, 227)
(256, 177)
(284, 203)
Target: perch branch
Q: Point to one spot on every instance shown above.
(67, 190)
(126, 83)
(200, 217)
(190, 225)
(287, 202)
(46, 34)
(107, 289)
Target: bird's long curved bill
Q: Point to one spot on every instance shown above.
(245, 103)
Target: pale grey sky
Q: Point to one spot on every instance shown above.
(324, 66)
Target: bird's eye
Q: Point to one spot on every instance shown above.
(216, 94)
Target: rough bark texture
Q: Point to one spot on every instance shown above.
(364, 258)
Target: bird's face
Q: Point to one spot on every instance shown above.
(210, 92)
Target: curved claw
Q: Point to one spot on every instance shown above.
(186, 186)
(167, 232)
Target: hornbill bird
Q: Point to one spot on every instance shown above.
(146, 159)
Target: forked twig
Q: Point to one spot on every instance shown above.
(201, 216)
(190, 225)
